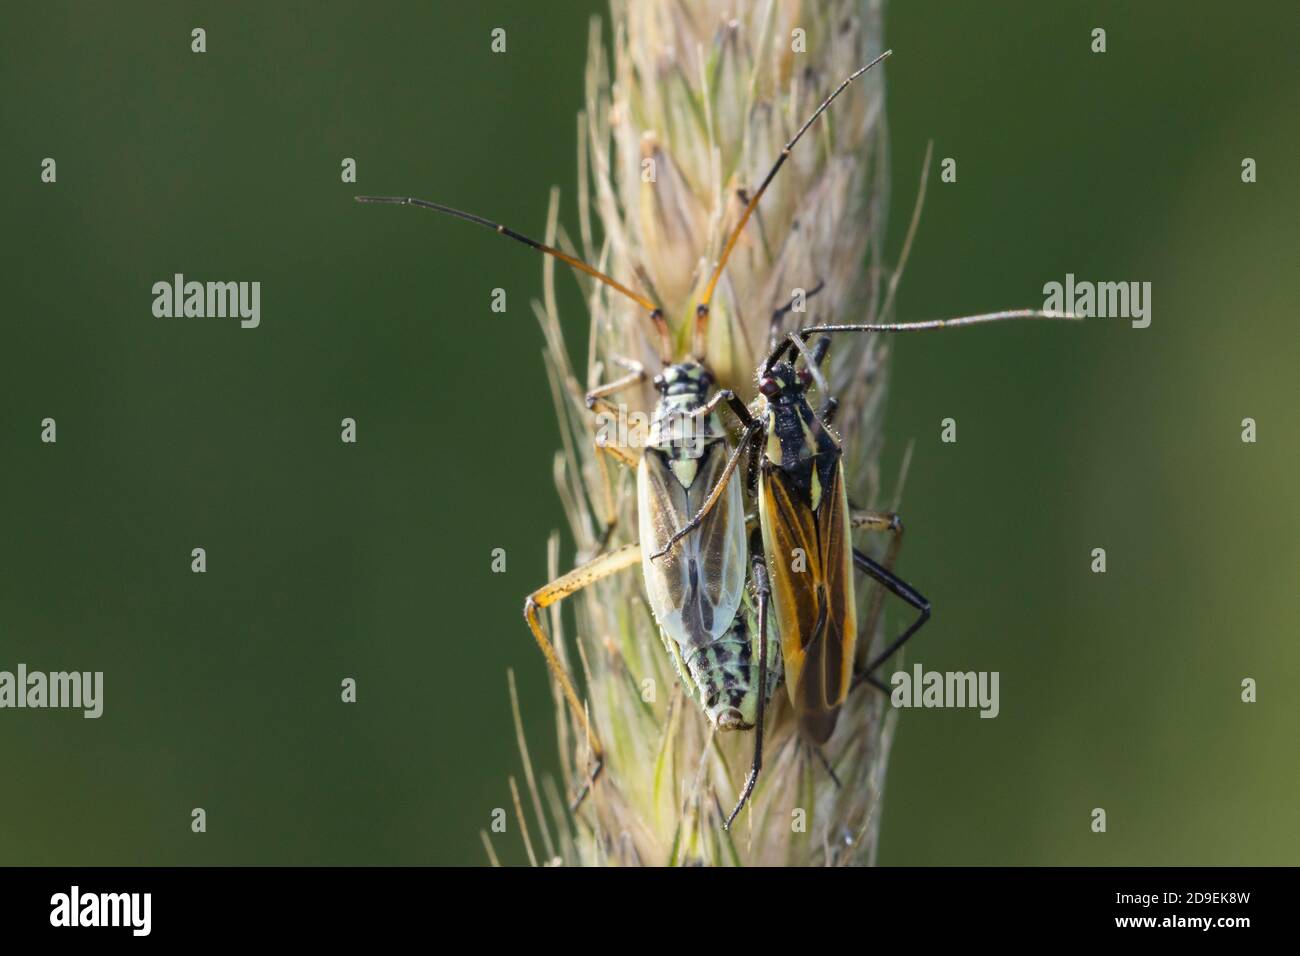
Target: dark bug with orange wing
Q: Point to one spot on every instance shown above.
(797, 476)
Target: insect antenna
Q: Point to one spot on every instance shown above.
(980, 319)
(929, 325)
(656, 313)
(702, 310)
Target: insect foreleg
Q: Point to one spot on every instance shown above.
(635, 376)
(751, 479)
(709, 502)
(562, 587)
(738, 408)
(897, 586)
(828, 410)
(812, 362)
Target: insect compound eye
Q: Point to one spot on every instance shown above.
(660, 382)
(769, 386)
(804, 376)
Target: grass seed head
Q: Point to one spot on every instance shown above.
(684, 117)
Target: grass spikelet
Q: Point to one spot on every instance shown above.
(705, 94)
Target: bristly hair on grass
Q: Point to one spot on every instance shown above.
(681, 123)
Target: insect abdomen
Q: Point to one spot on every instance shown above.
(726, 675)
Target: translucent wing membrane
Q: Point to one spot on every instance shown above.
(696, 588)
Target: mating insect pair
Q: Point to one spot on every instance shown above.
(696, 548)
(730, 647)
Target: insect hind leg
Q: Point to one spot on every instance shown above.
(562, 587)
(900, 588)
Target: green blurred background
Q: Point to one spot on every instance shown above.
(372, 561)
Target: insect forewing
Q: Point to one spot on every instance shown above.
(810, 560)
(696, 588)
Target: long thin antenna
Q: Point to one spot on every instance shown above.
(944, 323)
(703, 308)
(656, 313)
(982, 318)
